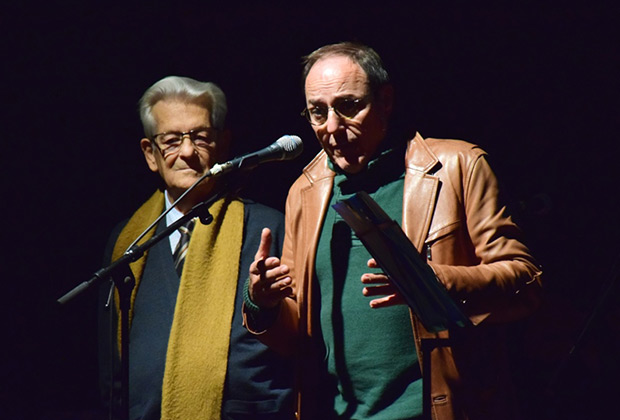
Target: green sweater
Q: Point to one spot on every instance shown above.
(370, 357)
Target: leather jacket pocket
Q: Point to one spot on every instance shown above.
(441, 238)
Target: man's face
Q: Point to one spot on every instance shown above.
(350, 143)
(181, 169)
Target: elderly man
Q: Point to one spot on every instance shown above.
(190, 357)
(356, 338)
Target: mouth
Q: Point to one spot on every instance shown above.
(187, 170)
(346, 150)
(190, 172)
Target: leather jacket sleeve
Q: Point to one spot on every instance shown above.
(481, 258)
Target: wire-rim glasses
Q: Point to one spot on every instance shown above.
(346, 108)
(170, 142)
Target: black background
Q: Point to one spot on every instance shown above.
(534, 83)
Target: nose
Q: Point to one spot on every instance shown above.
(334, 122)
(187, 147)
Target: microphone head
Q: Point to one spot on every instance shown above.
(291, 146)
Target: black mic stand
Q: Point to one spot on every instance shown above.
(124, 282)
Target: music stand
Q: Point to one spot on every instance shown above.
(408, 272)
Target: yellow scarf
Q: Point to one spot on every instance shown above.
(197, 356)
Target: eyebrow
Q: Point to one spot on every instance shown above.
(200, 127)
(315, 102)
(337, 99)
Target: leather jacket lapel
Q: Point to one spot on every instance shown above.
(315, 199)
(420, 191)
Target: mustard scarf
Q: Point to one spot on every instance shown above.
(197, 356)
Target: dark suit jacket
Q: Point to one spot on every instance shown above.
(258, 381)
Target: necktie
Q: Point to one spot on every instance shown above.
(181, 250)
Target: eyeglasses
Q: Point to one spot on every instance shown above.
(170, 142)
(344, 108)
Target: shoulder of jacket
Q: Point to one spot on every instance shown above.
(451, 146)
(314, 171)
(252, 206)
(428, 154)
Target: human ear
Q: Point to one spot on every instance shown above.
(149, 155)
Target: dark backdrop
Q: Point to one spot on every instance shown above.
(535, 84)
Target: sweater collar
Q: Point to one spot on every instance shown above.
(386, 166)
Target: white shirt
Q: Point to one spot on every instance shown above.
(172, 216)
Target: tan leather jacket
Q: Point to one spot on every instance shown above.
(452, 215)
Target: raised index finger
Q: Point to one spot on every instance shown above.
(265, 245)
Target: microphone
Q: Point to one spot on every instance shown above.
(285, 148)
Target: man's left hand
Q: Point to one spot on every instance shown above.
(381, 287)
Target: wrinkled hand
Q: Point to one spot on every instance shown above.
(383, 288)
(269, 283)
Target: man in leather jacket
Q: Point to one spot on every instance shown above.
(358, 346)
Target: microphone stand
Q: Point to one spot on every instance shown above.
(124, 281)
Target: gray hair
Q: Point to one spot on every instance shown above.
(362, 55)
(185, 89)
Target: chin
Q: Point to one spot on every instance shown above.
(350, 164)
(350, 167)
(183, 183)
